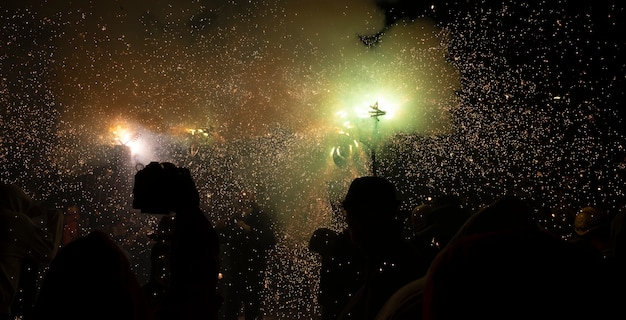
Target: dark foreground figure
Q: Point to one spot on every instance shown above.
(341, 270)
(24, 245)
(91, 278)
(501, 265)
(194, 253)
(372, 207)
(247, 242)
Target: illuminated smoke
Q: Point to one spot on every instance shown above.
(502, 98)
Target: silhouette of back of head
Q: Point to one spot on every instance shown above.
(91, 278)
(371, 194)
(371, 208)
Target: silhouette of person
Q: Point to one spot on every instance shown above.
(501, 264)
(194, 254)
(419, 217)
(194, 267)
(371, 208)
(506, 213)
(516, 274)
(22, 241)
(436, 223)
(91, 278)
(618, 236)
(248, 241)
(341, 272)
(321, 241)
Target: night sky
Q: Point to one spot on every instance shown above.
(481, 98)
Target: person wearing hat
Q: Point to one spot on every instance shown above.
(371, 209)
(21, 240)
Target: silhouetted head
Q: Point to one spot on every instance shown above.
(440, 220)
(506, 213)
(371, 207)
(520, 274)
(371, 194)
(321, 240)
(92, 274)
(590, 220)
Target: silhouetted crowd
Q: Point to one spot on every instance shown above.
(492, 263)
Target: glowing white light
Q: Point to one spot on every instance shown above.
(136, 147)
(131, 139)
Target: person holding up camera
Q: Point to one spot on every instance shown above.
(163, 188)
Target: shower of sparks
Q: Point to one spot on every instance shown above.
(271, 98)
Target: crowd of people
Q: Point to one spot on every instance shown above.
(495, 262)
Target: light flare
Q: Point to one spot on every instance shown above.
(127, 137)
